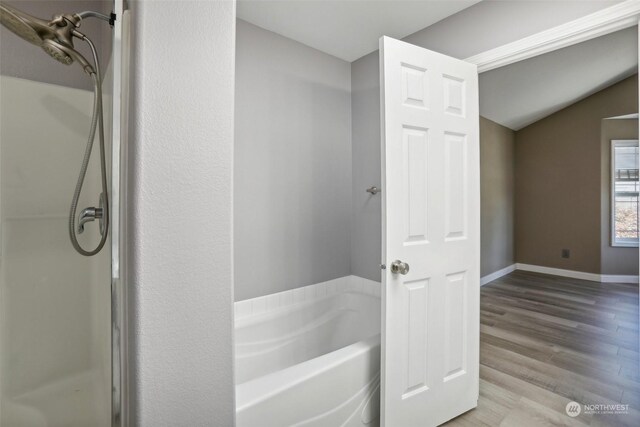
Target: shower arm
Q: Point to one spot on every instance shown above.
(76, 18)
(91, 14)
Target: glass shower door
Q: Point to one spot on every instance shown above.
(55, 325)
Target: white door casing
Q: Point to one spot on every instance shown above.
(431, 221)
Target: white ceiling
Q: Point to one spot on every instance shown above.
(347, 29)
(527, 91)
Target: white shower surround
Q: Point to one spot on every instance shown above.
(321, 340)
(54, 305)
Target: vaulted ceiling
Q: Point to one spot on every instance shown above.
(526, 91)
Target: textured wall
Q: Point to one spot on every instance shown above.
(497, 149)
(180, 214)
(19, 58)
(292, 187)
(614, 260)
(558, 181)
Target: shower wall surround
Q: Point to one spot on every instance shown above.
(54, 303)
(292, 183)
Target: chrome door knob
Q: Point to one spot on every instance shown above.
(398, 266)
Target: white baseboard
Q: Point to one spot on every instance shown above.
(559, 272)
(594, 277)
(497, 274)
(616, 278)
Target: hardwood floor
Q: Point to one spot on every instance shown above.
(546, 341)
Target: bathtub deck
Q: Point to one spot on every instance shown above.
(546, 341)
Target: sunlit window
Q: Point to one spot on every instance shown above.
(624, 192)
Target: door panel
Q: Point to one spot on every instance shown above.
(431, 220)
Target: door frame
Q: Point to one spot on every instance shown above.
(605, 21)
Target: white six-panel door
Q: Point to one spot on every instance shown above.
(431, 221)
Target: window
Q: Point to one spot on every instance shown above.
(624, 192)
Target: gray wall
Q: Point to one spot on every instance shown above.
(614, 260)
(366, 237)
(180, 225)
(292, 188)
(558, 181)
(464, 34)
(19, 58)
(497, 149)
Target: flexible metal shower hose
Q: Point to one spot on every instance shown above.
(96, 121)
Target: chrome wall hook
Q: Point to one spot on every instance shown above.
(373, 190)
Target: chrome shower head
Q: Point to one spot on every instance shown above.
(56, 52)
(55, 37)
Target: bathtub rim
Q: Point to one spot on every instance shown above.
(246, 309)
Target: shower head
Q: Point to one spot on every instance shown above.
(55, 37)
(56, 51)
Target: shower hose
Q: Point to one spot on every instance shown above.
(96, 122)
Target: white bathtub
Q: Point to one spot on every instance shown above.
(310, 356)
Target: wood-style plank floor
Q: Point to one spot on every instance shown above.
(546, 341)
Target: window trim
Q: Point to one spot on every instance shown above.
(612, 197)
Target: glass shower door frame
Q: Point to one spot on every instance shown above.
(120, 58)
